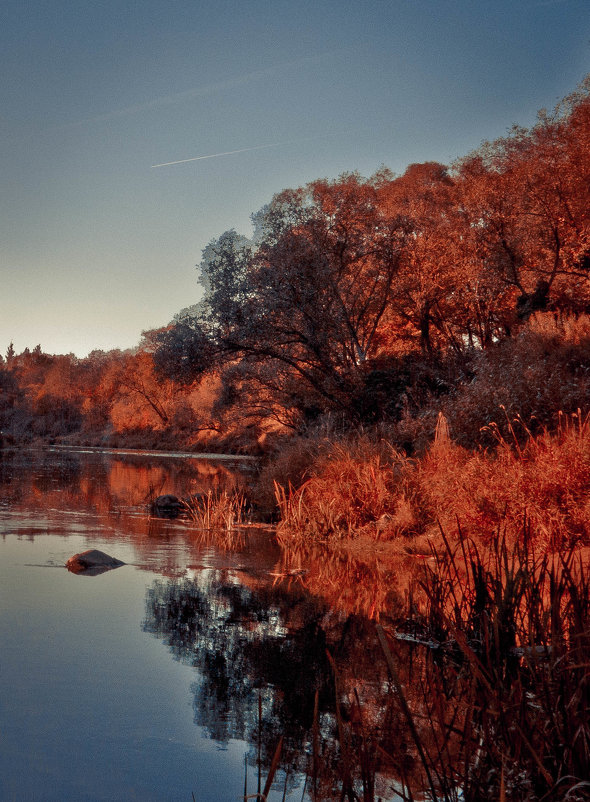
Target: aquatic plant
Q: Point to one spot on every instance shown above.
(504, 708)
(218, 517)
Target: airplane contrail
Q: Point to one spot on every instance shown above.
(206, 90)
(215, 155)
(245, 150)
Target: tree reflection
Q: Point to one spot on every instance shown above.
(111, 494)
(245, 644)
(105, 481)
(262, 653)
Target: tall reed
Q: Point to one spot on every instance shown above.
(505, 675)
(218, 516)
(351, 486)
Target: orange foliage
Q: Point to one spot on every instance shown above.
(546, 483)
(370, 299)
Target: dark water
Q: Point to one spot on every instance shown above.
(167, 676)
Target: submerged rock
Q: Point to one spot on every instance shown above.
(167, 506)
(92, 563)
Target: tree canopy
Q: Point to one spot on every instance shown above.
(345, 278)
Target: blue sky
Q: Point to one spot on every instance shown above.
(96, 244)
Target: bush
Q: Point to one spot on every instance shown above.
(351, 483)
(541, 373)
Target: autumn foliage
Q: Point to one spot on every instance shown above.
(362, 297)
(359, 303)
(412, 355)
(109, 398)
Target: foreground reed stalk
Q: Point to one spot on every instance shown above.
(505, 707)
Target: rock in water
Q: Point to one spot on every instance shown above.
(92, 562)
(167, 506)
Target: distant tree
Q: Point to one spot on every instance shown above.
(136, 397)
(10, 354)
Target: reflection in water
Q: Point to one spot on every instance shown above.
(367, 587)
(105, 481)
(262, 654)
(256, 624)
(242, 643)
(113, 493)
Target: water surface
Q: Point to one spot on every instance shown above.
(166, 676)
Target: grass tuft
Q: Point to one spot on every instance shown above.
(218, 517)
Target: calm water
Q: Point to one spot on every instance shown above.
(166, 676)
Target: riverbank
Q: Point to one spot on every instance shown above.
(479, 561)
(363, 487)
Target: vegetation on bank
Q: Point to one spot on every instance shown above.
(365, 301)
(411, 356)
(364, 488)
(402, 349)
(114, 399)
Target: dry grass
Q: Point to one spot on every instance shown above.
(498, 701)
(369, 489)
(351, 485)
(539, 374)
(218, 517)
(547, 480)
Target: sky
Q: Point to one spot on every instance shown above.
(97, 244)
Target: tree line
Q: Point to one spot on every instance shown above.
(109, 398)
(362, 299)
(349, 287)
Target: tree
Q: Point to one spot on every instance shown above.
(527, 199)
(309, 295)
(137, 399)
(429, 301)
(10, 354)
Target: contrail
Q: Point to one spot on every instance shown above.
(215, 155)
(205, 91)
(245, 150)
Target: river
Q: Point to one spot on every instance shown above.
(177, 673)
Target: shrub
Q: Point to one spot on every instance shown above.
(352, 483)
(540, 373)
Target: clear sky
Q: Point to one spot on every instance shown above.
(97, 245)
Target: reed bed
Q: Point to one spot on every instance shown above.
(383, 496)
(218, 517)
(495, 703)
